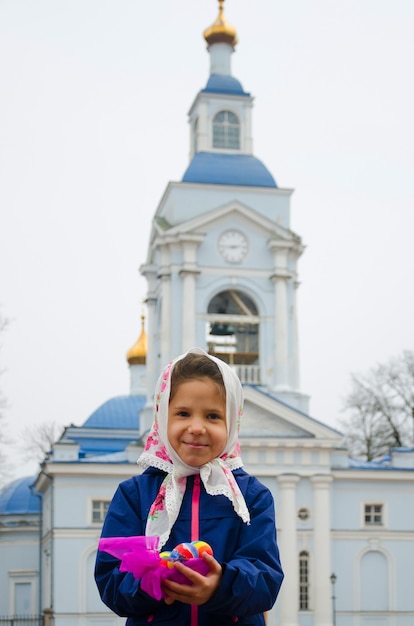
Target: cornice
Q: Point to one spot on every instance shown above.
(86, 469)
(381, 535)
(386, 474)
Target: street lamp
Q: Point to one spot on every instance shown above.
(333, 581)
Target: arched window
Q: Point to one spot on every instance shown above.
(304, 581)
(233, 333)
(226, 131)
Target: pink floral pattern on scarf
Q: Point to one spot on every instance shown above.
(158, 504)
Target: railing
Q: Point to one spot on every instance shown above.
(249, 374)
(21, 620)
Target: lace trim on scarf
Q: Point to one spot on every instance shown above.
(149, 460)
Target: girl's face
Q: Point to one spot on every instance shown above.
(197, 427)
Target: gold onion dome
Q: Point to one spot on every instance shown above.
(138, 353)
(221, 30)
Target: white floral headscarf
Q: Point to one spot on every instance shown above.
(216, 475)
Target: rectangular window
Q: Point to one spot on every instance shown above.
(99, 510)
(373, 514)
(304, 581)
(23, 599)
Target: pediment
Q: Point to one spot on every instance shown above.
(258, 422)
(265, 416)
(233, 211)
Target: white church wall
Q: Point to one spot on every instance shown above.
(19, 570)
(74, 495)
(402, 551)
(90, 601)
(350, 496)
(372, 562)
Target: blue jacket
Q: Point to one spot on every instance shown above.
(252, 574)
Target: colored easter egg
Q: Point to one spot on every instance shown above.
(175, 556)
(188, 550)
(184, 551)
(202, 546)
(165, 559)
(165, 555)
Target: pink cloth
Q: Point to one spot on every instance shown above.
(139, 555)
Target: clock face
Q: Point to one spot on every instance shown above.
(232, 246)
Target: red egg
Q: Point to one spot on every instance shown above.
(184, 551)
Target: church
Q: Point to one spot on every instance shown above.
(221, 272)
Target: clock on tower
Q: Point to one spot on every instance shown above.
(233, 246)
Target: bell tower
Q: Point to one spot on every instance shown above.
(222, 260)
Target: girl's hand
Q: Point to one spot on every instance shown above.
(202, 587)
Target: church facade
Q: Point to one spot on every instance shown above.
(221, 270)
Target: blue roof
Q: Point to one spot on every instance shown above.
(228, 169)
(17, 497)
(224, 84)
(384, 463)
(120, 412)
(96, 446)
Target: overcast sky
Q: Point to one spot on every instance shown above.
(93, 125)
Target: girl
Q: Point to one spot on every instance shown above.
(194, 487)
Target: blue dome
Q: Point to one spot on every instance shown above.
(17, 498)
(228, 169)
(121, 412)
(224, 84)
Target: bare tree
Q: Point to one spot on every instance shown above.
(380, 408)
(37, 440)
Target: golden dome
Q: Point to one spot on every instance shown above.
(137, 355)
(220, 31)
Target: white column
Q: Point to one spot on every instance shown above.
(150, 360)
(164, 274)
(321, 559)
(247, 131)
(146, 416)
(280, 278)
(188, 272)
(281, 333)
(289, 595)
(165, 329)
(202, 129)
(189, 309)
(295, 374)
